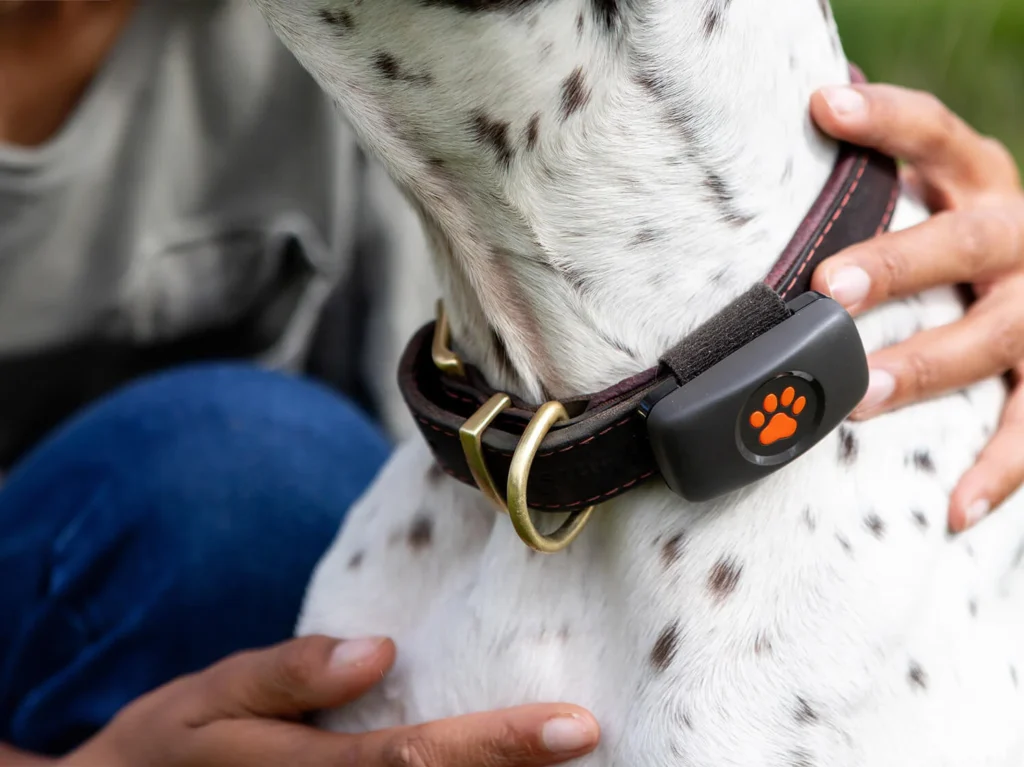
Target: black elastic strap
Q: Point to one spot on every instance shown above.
(751, 315)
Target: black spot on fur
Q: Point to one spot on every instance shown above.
(972, 608)
(672, 549)
(713, 18)
(763, 645)
(804, 713)
(809, 520)
(356, 560)
(632, 182)
(576, 278)
(614, 342)
(651, 83)
(719, 189)
(421, 533)
(845, 544)
(575, 94)
(579, 25)
(494, 133)
(711, 21)
(340, 19)
(645, 235)
(682, 113)
(1018, 556)
(608, 12)
(508, 370)
(656, 281)
(664, 649)
(388, 66)
(917, 677)
(723, 578)
(435, 473)
(800, 759)
(533, 131)
(848, 446)
(875, 524)
(923, 461)
(919, 519)
(483, 6)
(787, 172)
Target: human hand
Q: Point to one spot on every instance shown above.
(246, 712)
(977, 237)
(14, 757)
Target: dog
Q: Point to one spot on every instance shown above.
(596, 178)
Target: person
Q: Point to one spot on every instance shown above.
(161, 518)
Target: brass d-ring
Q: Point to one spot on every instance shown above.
(444, 358)
(519, 473)
(470, 434)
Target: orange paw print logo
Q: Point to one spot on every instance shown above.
(782, 425)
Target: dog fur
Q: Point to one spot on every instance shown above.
(595, 178)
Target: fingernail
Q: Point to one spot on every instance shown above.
(976, 511)
(849, 285)
(844, 101)
(881, 385)
(355, 652)
(566, 734)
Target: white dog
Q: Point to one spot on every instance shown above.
(596, 178)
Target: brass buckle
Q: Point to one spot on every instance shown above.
(547, 416)
(519, 472)
(469, 435)
(444, 358)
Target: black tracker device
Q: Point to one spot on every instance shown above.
(762, 406)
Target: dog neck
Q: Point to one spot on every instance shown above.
(596, 177)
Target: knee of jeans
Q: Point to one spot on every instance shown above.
(238, 416)
(215, 472)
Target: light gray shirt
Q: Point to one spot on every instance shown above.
(202, 201)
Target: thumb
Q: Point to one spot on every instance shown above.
(292, 679)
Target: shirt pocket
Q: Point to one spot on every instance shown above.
(227, 288)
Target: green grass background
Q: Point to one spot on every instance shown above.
(970, 53)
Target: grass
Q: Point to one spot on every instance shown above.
(970, 53)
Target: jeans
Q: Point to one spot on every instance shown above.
(166, 526)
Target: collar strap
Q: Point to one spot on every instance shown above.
(602, 448)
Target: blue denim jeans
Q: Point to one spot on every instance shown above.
(168, 525)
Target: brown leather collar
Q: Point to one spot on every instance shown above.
(602, 451)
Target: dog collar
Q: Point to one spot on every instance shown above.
(753, 388)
